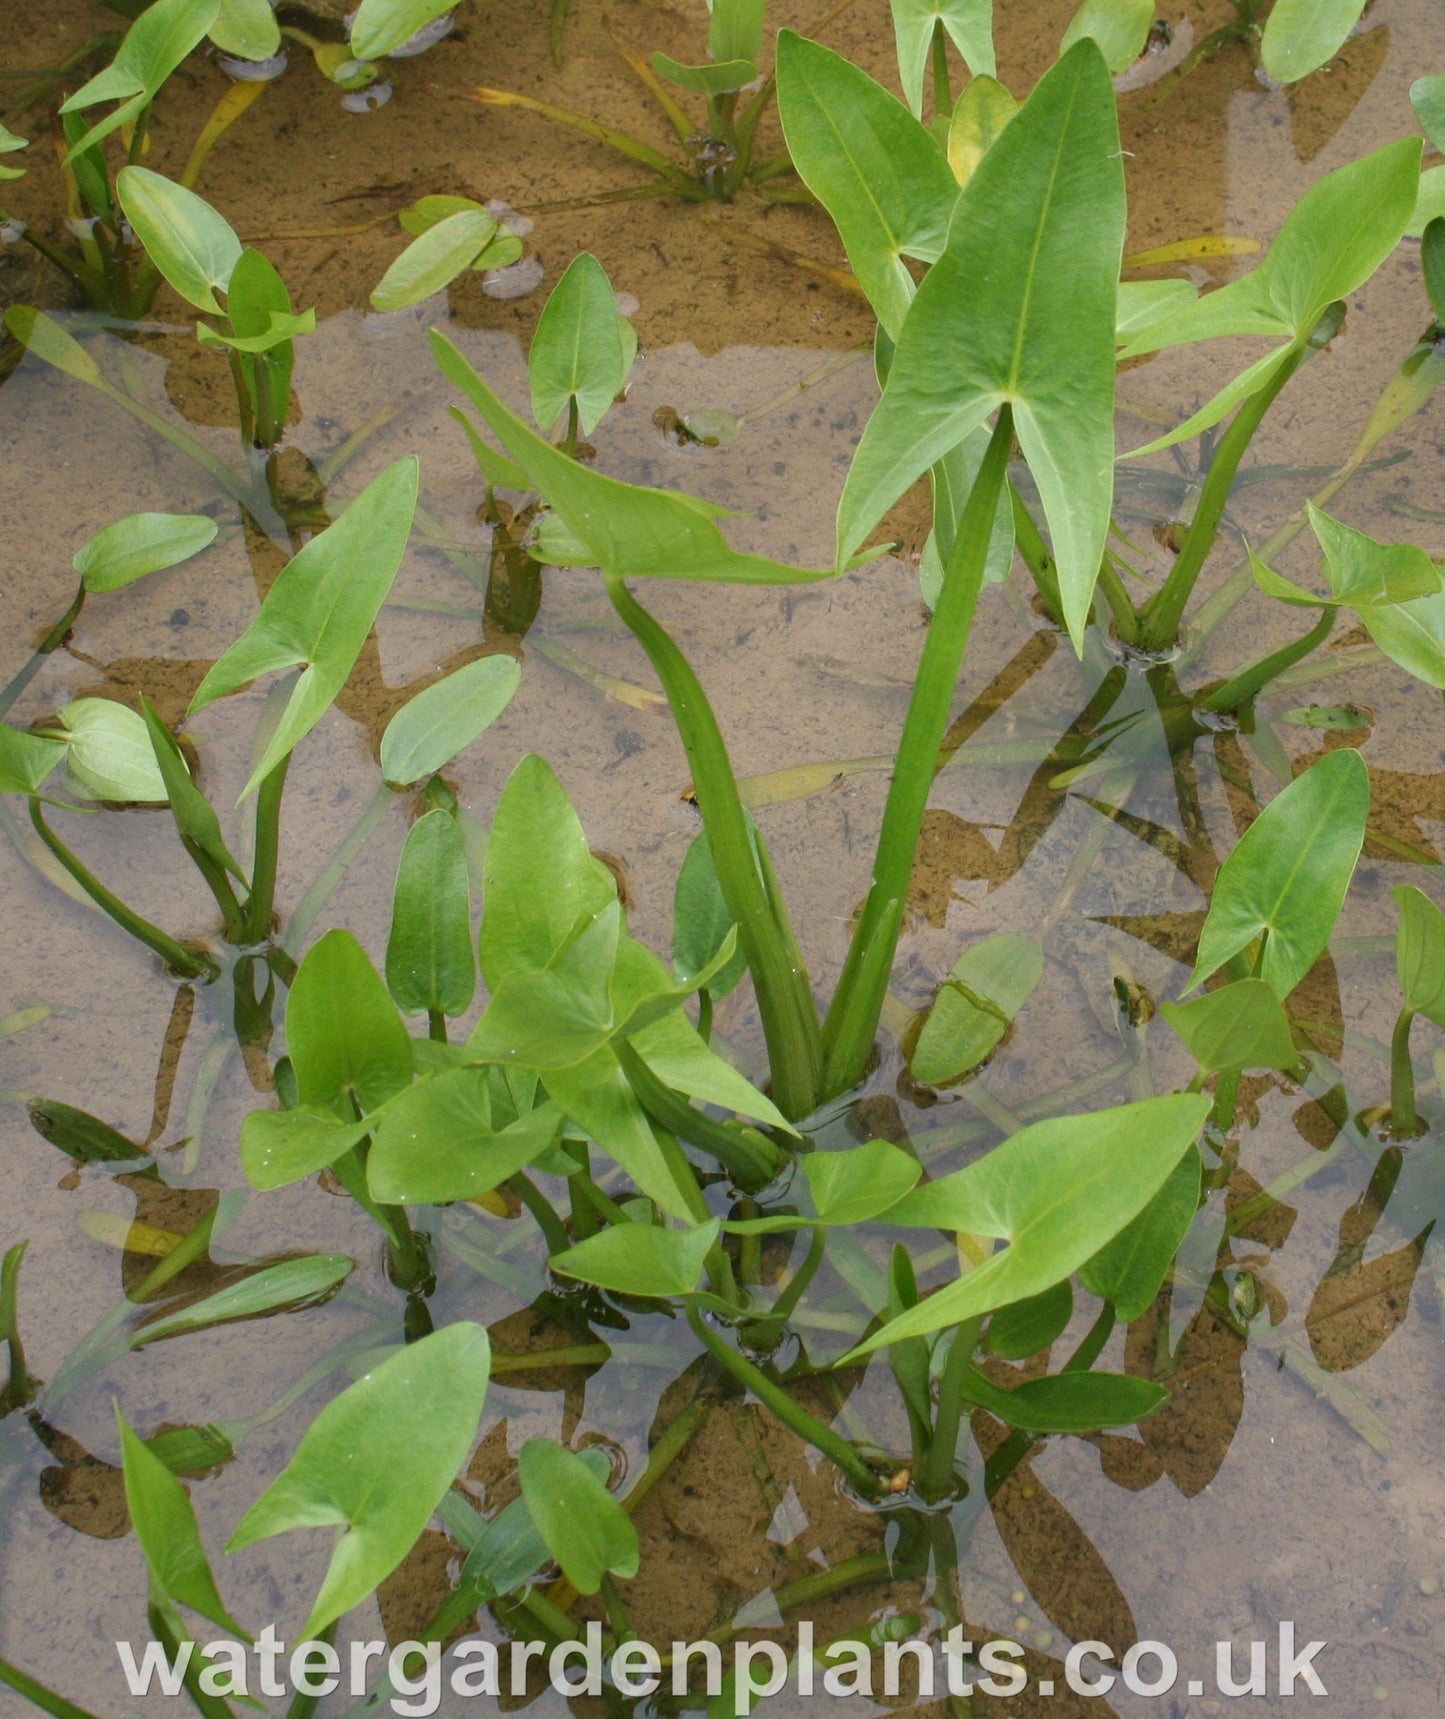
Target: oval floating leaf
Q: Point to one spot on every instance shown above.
(377, 1461)
(429, 731)
(247, 29)
(191, 244)
(79, 1134)
(1300, 35)
(293, 1283)
(1120, 27)
(586, 1530)
(1024, 1328)
(383, 25)
(139, 544)
(1286, 880)
(1069, 1402)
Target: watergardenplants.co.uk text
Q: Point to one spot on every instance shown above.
(420, 1675)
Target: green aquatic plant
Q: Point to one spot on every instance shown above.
(1420, 966)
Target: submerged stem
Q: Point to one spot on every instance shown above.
(1404, 1123)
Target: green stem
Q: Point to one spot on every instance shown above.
(19, 1388)
(764, 1333)
(260, 904)
(852, 1020)
(935, 1477)
(1249, 682)
(49, 644)
(743, 1152)
(303, 1706)
(774, 1397)
(1165, 610)
(1111, 588)
(436, 1026)
(1029, 541)
(785, 1002)
(538, 1205)
(190, 963)
(1092, 1346)
(1404, 1123)
(409, 1261)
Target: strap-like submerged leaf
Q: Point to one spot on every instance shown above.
(318, 613)
(376, 1462)
(577, 352)
(192, 245)
(430, 730)
(1300, 35)
(139, 544)
(871, 165)
(344, 1037)
(586, 1530)
(1285, 881)
(969, 24)
(1055, 1192)
(292, 1283)
(629, 531)
(1019, 309)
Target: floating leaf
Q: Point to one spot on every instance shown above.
(1427, 97)
(293, 1283)
(1337, 718)
(1301, 35)
(1238, 1026)
(434, 259)
(109, 754)
(381, 26)
(247, 29)
(1285, 881)
(577, 352)
(79, 1134)
(377, 1461)
(194, 248)
(1056, 1192)
(870, 164)
(139, 544)
(320, 610)
(429, 959)
(640, 1259)
(430, 730)
(586, 1530)
(1019, 309)
(720, 78)
(975, 1006)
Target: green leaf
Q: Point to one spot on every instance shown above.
(258, 307)
(320, 610)
(435, 259)
(672, 1049)
(430, 730)
(586, 1530)
(43, 336)
(152, 49)
(1120, 27)
(1333, 240)
(979, 116)
(640, 1259)
(870, 164)
(540, 879)
(1427, 97)
(969, 24)
(596, 1095)
(429, 960)
(194, 248)
(975, 1006)
(165, 1526)
(283, 1146)
(720, 78)
(1141, 303)
(293, 1283)
(377, 1461)
(426, 212)
(1026, 1328)
(139, 544)
(1241, 1025)
(735, 31)
(9, 143)
(1019, 309)
(498, 471)
(852, 1186)
(701, 922)
(1432, 264)
(1056, 1192)
(110, 755)
(78, 1134)
(1069, 1402)
(344, 1037)
(248, 29)
(1129, 1271)
(1395, 590)
(1286, 879)
(1420, 953)
(1301, 35)
(382, 25)
(630, 531)
(436, 1142)
(195, 820)
(26, 759)
(577, 351)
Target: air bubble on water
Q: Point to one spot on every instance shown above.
(252, 71)
(363, 101)
(514, 281)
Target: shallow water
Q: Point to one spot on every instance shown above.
(1295, 1475)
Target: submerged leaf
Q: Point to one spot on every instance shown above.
(430, 730)
(377, 1461)
(292, 1283)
